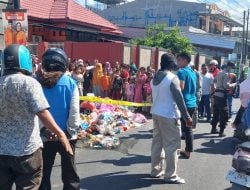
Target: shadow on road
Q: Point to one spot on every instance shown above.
(131, 160)
(139, 136)
(118, 180)
(125, 161)
(219, 146)
(205, 136)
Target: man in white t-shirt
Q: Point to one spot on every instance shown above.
(207, 88)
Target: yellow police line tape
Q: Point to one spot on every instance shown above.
(113, 102)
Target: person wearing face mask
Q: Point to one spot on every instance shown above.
(220, 108)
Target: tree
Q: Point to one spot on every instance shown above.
(156, 36)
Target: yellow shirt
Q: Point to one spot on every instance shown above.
(97, 74)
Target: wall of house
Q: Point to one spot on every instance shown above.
(110, 51)
(106, 51)
(45, 33)
(141, 13)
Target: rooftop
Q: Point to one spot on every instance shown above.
(70, 11)
(112, 2)
(195, 36)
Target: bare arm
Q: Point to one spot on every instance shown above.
(50, 123)
(182, 84)
(212, 88)
(177, 95)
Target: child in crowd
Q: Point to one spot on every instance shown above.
(140, 80)
(117, 85)
(124, 87)
(105, 84)
(130, 89)
(87, 82)
(108, 68)
(147, 92)
(124, 71)
(77, 75)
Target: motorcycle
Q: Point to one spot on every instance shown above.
(239, 175)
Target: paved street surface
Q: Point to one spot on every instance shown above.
(129, 166)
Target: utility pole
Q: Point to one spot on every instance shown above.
(16, 4)
(243, 40)
(246, 45)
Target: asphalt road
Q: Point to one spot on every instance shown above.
(128, 167)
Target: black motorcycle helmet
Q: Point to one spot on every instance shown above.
(16, 58)
(54, 59)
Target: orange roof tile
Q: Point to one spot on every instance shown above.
(69, 10)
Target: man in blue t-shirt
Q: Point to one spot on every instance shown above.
(188, 86)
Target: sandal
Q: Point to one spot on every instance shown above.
(183, 154)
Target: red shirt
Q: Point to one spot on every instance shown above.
(215, 72)
(124, 74)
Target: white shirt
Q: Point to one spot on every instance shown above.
(207, 81)
(245, 91)
(163, 101)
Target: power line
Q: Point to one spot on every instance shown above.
(236, 2)
(226, 4)
(237, 15)
(230, 7)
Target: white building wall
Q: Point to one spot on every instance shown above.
(141, 13)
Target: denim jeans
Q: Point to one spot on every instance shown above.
(188, 131)
(205, 103)
(97, 90)
(24, 171)
(229, 104)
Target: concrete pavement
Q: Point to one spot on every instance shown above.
(128, 167)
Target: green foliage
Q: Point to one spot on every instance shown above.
(156, 36)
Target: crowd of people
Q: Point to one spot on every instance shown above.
(179, 95)
(116, 81)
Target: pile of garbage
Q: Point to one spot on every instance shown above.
(103, 123)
